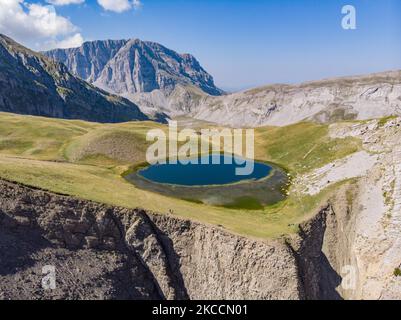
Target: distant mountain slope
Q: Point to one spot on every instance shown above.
(160, 81)
(133, 66)
(30, 83)
(89, 60)
(349, 98)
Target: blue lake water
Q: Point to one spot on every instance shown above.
(203, 174)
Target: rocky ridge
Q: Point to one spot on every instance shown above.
(127, 67)
(33, 84)
(116, 253)
(103, 252)
(368, 236)
(161, 81)
(327, 101)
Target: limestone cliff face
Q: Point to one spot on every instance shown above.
(33, 84)
(219, 265)
(162, 81)
(87, 61)
(350, 98)
(133, 66)
(104, 252)
(323, 251)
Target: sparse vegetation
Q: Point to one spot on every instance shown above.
(302, 147)
(350, 197)
(383, 121)
(63, 91)
(247, 203)
(388, 194)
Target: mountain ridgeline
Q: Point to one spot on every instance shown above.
(31, 83)
(108, 81)
(160, 81)
(133, 66)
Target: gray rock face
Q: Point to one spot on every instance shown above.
(103, 252)
(31, 83)
(87, 61)
(161, 81)
(350, 98)
(134, 66)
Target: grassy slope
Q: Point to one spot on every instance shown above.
(302, 147)
(60, 156)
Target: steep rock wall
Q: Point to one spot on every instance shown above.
(115, 253)
(104, 252)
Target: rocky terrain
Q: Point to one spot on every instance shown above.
(89, 60)
(368, 236)
(162, 81)
(326, 101)
(350, 248)
(103, 252)
(127, 67)
(33, 84)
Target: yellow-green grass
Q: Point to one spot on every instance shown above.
(40, 152)
(302, 147)
(383, 121)
(38, 137)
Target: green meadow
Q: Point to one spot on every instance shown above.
(87, 160)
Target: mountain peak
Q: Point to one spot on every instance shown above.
(133, 66)
(31, 83)
(6, 38)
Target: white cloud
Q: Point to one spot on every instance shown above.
(64, 2)
(137, 4)
(73, 41)
(119, 5)
(35, 25)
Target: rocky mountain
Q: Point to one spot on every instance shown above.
(104, 252)
(361, 97)
(89, 60)
(127, 67)
(161, 81)
(31, 83)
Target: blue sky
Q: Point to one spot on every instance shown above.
(256, 42)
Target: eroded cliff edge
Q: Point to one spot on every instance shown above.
(107, 252)
(104, 252)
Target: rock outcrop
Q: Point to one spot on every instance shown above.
(374, 231)
(326, 101)
(362, 235)
(162, 81)
(89, 60)
(103, 252)
(127, 67)
(33, 84)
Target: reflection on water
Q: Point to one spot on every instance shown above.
(213, 169)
